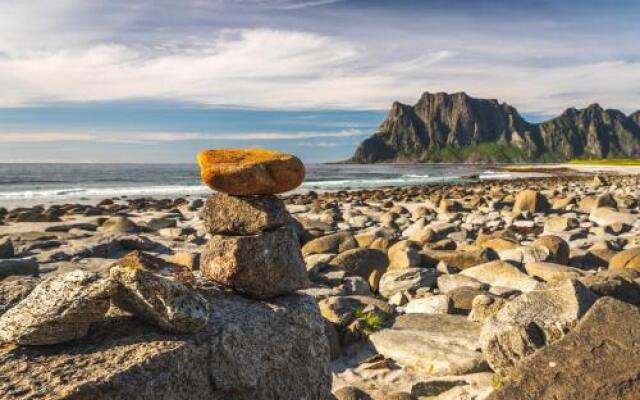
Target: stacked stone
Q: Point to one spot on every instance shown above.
(253, 248)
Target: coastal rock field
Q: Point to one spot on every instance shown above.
(513, 289)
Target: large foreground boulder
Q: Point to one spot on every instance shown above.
(250, 350)
(432, 344)
(598, 360)
(531, 321)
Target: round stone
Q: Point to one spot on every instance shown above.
(250, 172)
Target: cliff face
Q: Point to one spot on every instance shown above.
(592, 133)
(636, 117)
(459, 128)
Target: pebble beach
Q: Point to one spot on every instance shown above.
(454, 291)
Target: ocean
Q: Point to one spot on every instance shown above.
(30, 184)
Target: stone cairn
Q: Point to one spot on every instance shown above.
(253, 248)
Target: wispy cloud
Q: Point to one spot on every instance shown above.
(171, 136)
(46, 137)
(177, 136)
(306, 4)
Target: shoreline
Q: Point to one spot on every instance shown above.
(365, 176)
(526, 171)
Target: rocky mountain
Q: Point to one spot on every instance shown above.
(459, 128)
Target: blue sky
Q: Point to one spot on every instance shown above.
(157, 80)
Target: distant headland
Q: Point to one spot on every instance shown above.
(456, 127)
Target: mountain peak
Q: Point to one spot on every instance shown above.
(594, 107)
(442, 95)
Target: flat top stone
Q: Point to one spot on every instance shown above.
(442, 328)
(137, 260)
(434, 344)
(501, 273)
(250, 171)
(226, 214)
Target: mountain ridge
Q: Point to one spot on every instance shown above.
(456, 127)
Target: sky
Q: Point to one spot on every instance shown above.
(158, 80)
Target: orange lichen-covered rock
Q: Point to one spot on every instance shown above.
(250, 172)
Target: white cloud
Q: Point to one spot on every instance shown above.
(254, 68)
(290, 69)
(88, 50)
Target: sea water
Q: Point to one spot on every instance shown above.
(30, 184)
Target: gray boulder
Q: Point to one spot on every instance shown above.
(159, 292)
(6, 248)
(552, 272)
(458, 259)
(531, 321)
(408, 279)
(597, 360)
(361, 262)
(158, 224)
(18, 266)
(525, 254)
(438, 304)
(263, 266)
(59, 309)
(225, 214)
(448, 283)
(501, 274)
(432, 344)
(604, 216)
(334, 243)
(250, 350)
(560, 224)
(119, 224)
(404, 254)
